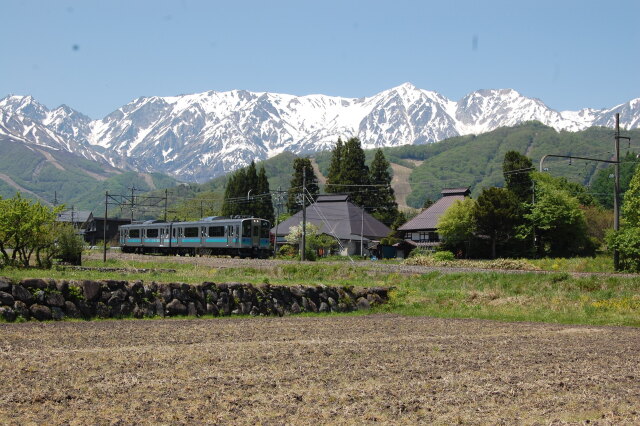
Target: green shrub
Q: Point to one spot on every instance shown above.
(69, 246)
(627, 242)
(287, 250)
(443, 255)
(420, 252)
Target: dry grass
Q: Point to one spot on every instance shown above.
(345, 369)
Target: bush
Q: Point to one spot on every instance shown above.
(443, 255)
(627, 242)
(420, 252)
(287, 251)
(69, 246)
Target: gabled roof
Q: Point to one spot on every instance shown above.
(329, 198)
(456, 191)
(428, 218)
(74, 216)
(342, 219)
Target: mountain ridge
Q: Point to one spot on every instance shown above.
(199, 136)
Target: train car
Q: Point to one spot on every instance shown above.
(234, 236)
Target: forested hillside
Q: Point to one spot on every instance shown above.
(50, 175)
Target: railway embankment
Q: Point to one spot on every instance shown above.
(48, 299)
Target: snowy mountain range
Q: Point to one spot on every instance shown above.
(200, 136)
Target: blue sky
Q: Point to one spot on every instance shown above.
(96, 56)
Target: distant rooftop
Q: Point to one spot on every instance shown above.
(429, 217)
(456, 191)
(332, 198)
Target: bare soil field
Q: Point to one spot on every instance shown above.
(333, 369)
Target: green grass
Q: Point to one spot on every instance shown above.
(600, 263)
(553, 298)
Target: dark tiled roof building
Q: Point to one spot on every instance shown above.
(335, 215)
(422, 229)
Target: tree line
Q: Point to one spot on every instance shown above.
(368, 186)
(537, 215)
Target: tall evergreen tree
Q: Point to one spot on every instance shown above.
(333, 177)
(234, 194)
(354, 172)
(516, 169)
(382, 198)
(497, 212)
(265, 203)
(299, 166)
(251, 190)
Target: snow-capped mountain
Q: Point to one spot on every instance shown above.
(199, 136)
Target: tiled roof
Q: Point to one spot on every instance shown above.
(428, 219)
(455, 191)
(75, 216)
(332, 198)
(342, 219)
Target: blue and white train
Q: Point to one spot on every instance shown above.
(216, 235)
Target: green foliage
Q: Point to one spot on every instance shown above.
(247, 193)
(420, 252)
(602, 182)
(458, 224)
(516, 169)
(631, 206)
(627, 239)
(557, 219)
(288, 251)
(69, 245)
(264, 204)
(26, 227)
(348, 170)
(335, 168)
(443, 255)
(497, 212)
(77, 181)
(627, 242)
(382, 198)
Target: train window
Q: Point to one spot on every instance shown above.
(246, 228)
(191, 232)
(256, 230)
(230, 230)
(264, 231)
(152, 233)
(134, 233)
(216, 231)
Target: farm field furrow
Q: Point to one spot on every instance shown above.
(328, 369)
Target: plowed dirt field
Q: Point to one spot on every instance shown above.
(334, 369)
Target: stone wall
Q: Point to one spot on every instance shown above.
(55, 300)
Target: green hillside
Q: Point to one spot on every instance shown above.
(46, 174)
(474, 161)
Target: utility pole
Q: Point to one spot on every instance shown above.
(304, 215)
(166, 198)
(616, 191)
(616, 199)
(104, 227)
(133, 188)
(278, 203)
(362, 234)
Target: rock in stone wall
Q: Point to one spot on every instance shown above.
(55, 300)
